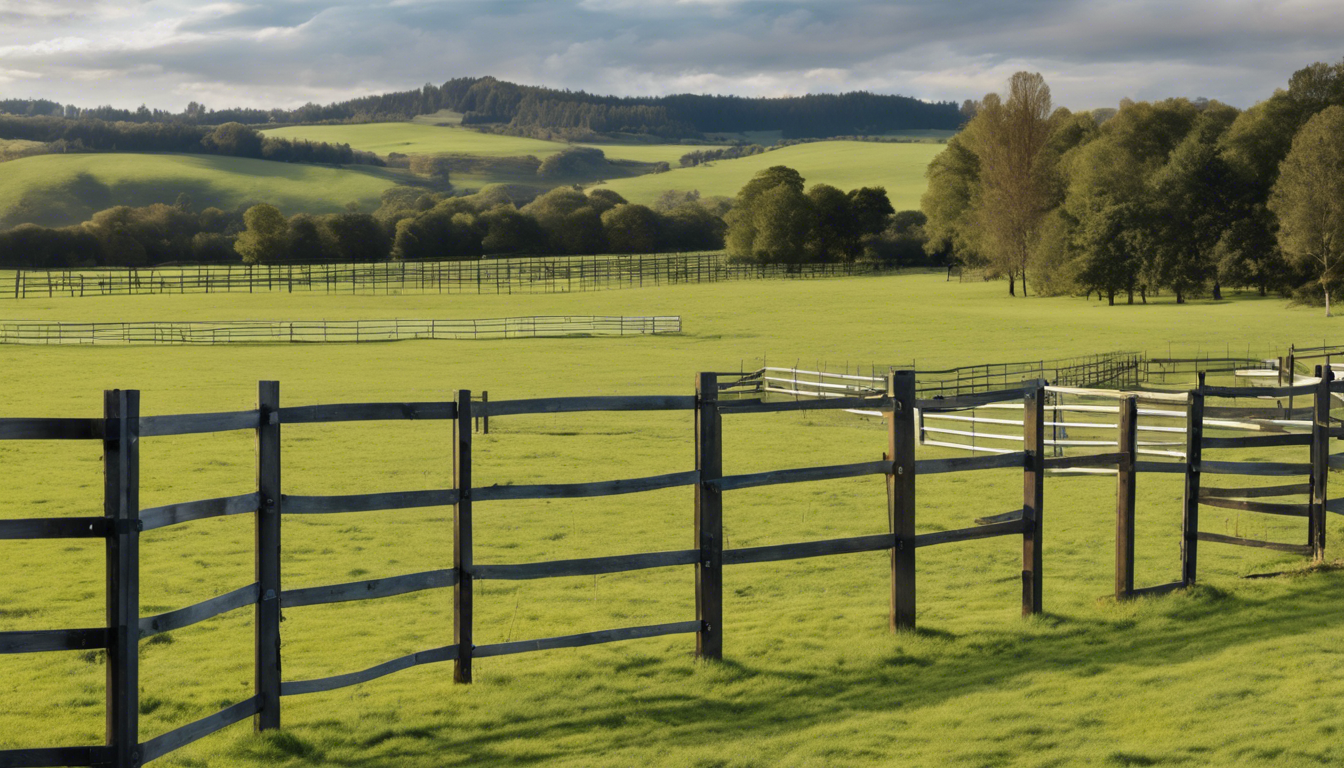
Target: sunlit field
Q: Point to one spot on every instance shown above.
(1232, 672)
(420, 139)
(58, 190)
(417, 139)
(844, 164)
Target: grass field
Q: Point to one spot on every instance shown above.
(419, 138)
(1234, 672)
(443, 116)
(845, 164)
(65, 189)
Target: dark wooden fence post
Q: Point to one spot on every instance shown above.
(267, 558)
(901, 497)
(709, 518)
(121, 503)
(1194, 444)
(485, 416)
(1124, 498)
(1320, 462)
(1033, 493)
(462, 541)
(1292, 377)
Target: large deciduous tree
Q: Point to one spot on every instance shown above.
(631, 228)
(1193, 200)
(1015, 169)
(264, 240)
(771, 218)
(1309, 198)
(951, 200)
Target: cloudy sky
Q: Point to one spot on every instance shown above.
(165, 53)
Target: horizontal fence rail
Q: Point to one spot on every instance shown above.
(328, 331)
(1035, 410)
(541, 274)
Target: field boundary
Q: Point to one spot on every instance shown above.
(543, 274)
(330, 331)
(1079, 389)
(121, 430)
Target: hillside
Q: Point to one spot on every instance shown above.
(57, 190)
(845, 164)
(421, 138)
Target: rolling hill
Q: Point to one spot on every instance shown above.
(57, 190)
(422, 139)
(419, 139)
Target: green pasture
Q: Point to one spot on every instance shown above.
(439, 118)
(56, 190)
(419, 139)
(650, 153)
(1233, 672)
(845, 164)
(426, 137)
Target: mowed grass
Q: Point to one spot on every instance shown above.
(418, 138)
(62, 189)
(1235, 672)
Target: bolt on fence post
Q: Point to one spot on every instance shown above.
(1194, 449)
(1320, 462)
(708, 518)
(1033, 492)
(267, 558)
(901, 497)
(121, 504)
(1125, 497)
(462, 541)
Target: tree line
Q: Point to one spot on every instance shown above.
(551, 118)
(553, 113)
(409, 224)
(231, 139)
(773, 219)
(699, 156)
(1184, 196)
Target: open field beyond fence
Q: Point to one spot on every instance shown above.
(549, 274)
(328, 331)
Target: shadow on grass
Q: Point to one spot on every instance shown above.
(723, 701)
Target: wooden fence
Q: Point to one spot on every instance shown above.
(550, 274)
(121, 430)
(1073, 426)
(329, 331)
(1113, 369)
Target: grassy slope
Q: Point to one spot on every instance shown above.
(424, 137)
(412, 139)
(96, 181)
(845, 164)
(651, 153)
(1236, 672)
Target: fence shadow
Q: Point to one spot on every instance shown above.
(921, 670)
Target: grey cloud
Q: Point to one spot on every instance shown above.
(289, 51)
(260, 16)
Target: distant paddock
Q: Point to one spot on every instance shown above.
(329, 331)
(541, 274)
